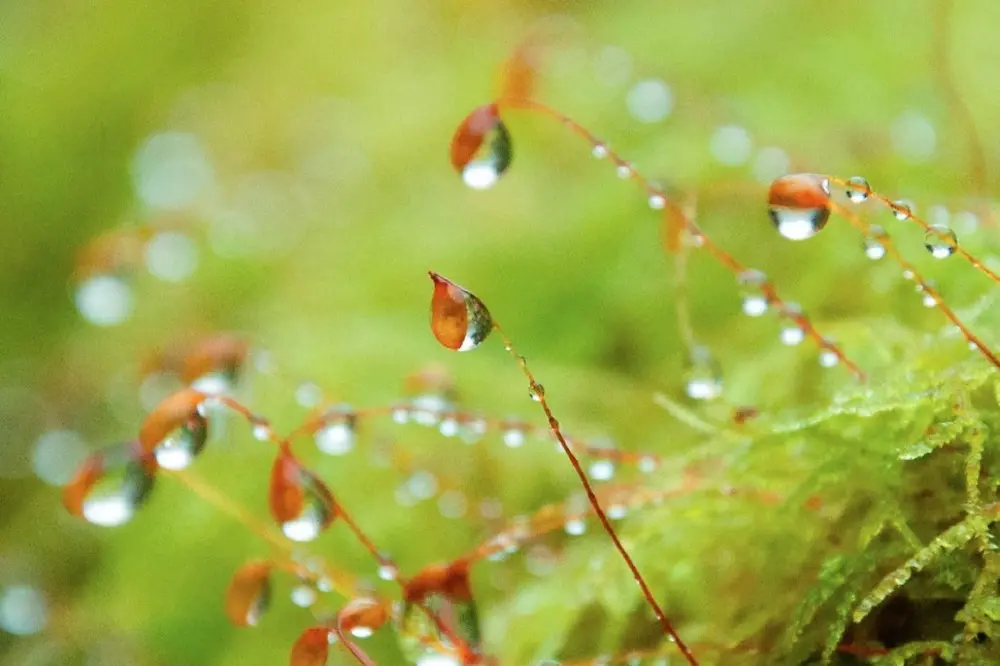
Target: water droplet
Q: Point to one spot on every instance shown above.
(422, 484)
(657, 201)
(828, 358)
(650, 101)
(624, 171)
(799, 205)
(23, 610)
(388, 571)
(261, 429)
(731, 145)
(703, 378)
(299, 501)
(873, 244)
(940, 241)
(481, 149)
(755, 301)
(249, 593)
(56, 456)
(617, 511)
(336, 437)
(600, 151)
(647, 464)
(791, 333)
(104, 300)
(459, 320)
(171, 170)
(536, 391)
(575, 527)
(602, 470)
(110, 485)
(928, 298)
(171, 256)
(308, 394)
(902, 210)
(858, 189)
(178, 449)
(513, 434)
(304, 595)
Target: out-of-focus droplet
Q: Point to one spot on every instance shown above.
(104, 300)
(362, 616)
(452, 504)
(304, 595)
(481, 149)
(657, 201)
(799, 204)
(755, 300)
(703, 377)
(650, 101)
(599, 151)
(941, 241)
(110, 485)
(913, 137)
(249, 593)
(902, 210)
(337, 434)
(873, 244)
(602, 470)
(176, 424)
(858, 189)
(459, 320)
(731, 145)
(513, 433)
(56, 455)
(771, 162)
(647, 464)
(422, 485)
(828, 358)
(171, 170)
(613, 66)
(171, 256)
(312, 647)
(575, 526)
(791, 332)
(23, 610)
(388, 571)
(299, 501)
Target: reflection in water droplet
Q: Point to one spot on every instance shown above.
(941, 241)
(336, 437)
(858, 189)
(249, 593)
(300, 502)
(104, 300)
(703, 378)
(791, 333)
(182, 445)
(481, 149)
(799, 205)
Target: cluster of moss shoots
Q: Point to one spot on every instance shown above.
(858, 602)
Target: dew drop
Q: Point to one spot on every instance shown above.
(56, 455)
(755, 301)
(303, 595)
(940, 241)
(300, 502)
(575, 527)
(828, 358)
(657, 201)
(23, 610)
(459, 320)
(647, 464)
(171, 256)
(536, 391)
(650, 101)
(481, 149)
(110, 485)
(902, 210)
(178, 449)
(308, 394)
(388, 571)
(624, 171)
(873, 244)
(731, 145)
(600, 151)
(261, 430)
(799, 205)
(928, 291)
(791, 334)
(858, 189)
(703, 378)
(104, 300)
(617, 511)
(602, 470)
(249, 593)
(336, 437)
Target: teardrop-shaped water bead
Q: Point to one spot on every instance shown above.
(110, 485)
(858, 189)
(791, 332)
(299, 501)
(459, 320)
(755, 300)
(941, 241)
(703, 378)
(174, 412)
(873, 244)
(902, 210)
(178, 449)
(481, 149)
(799, 204)
(249, 593)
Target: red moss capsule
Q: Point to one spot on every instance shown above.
(799, 204)
(311, 648)
(249, 593)
(299, 501)
(459, 320)
(481, 149)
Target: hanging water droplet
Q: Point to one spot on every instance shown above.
(600, 151)
(481, 149)
(828, 357)
(602, 470)
(299, 501)
(308, 394)
(110, 485)
(902, 210)
(304, 595)
(755, 301)
(858, 189)
(183, 444)
(940, 241)
(624, 171)
(657, 201)
(513, 434)
(336, 436)
(536, 391)
(929, 294)
(459, 320)
(617, 511)
(388, 571)
(575, 527)
(249, 593)
(873, 244)
(791, 333)
(647, 464)
(23, 610)
(261, 429)
(799, 204)
(703, 378)
(362, 616)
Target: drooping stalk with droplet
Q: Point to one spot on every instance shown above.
(457, 317)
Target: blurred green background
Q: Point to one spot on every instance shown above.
(311, 141)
